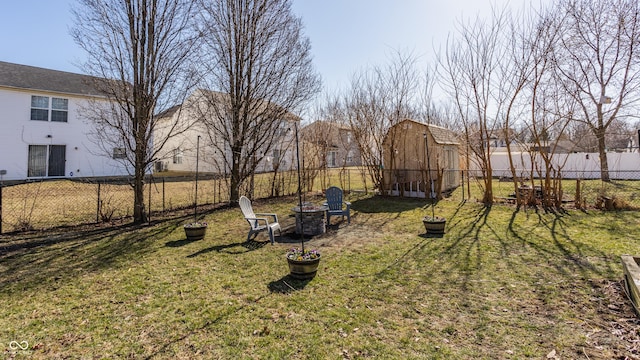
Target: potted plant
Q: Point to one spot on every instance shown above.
(195, 230)
(434, 224)
(303, 264)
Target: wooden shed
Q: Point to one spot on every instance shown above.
(420, 160)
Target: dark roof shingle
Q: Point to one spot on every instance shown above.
(35, 78)
(443, 136)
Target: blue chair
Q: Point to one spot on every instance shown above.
(335, 202)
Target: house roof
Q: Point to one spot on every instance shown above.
(168, 112)
(440, 135)
(35, 78)
(220, 98)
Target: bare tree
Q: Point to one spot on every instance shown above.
(470, 74)
(532, 95)
(140, 48)
(378, 99)
(257, 62)
(429, 111)
(598, 63)
(317, 139)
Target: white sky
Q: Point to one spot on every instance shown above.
(346, 35)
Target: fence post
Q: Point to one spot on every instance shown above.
(163, 207)
(149, 212)
(98, 205)
(462, 182)
(578, 196)
(1, 186)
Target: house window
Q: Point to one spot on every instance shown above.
(283, 128)
(119, 153)
(59, 109)
(40, 110)
(350, 156)
(46, 160)
(331, 158)
(276, 156)
(177, 156)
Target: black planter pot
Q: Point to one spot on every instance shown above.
(303, 269)
(434, 225)
(195, 233)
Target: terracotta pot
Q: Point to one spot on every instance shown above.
(195, 233)
(303, 269)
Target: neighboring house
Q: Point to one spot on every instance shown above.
(330, 145)
(178, 153)
(408, 171)
(44, 133)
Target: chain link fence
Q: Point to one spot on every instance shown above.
(578, 191)
(54, 203)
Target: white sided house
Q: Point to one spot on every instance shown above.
(44, 134)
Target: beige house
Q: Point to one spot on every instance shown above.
(330, 145)
(179, 152)
(420, 160)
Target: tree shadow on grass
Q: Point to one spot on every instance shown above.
(384, 204)
(233, 248)
(179, 243)
(465, 241)
(566, 255)
(391, 207)
(34, 260)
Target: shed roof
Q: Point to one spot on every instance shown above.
(35, 78)
(443, 136)
(440, 135)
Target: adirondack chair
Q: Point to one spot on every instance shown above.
(259, 221)
(335, 202)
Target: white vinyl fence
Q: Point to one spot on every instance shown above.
(622, 166)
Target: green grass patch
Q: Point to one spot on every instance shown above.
(501, 283)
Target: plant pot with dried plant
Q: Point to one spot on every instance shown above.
(195, 230)
(434, 224)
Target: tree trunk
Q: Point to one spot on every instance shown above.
(139, 213)
(234, 195)
(604, 164)
(487, 198)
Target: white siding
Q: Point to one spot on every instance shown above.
(83, 158)
(574, 165)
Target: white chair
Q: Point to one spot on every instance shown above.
(259, 222)
(335, 202)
